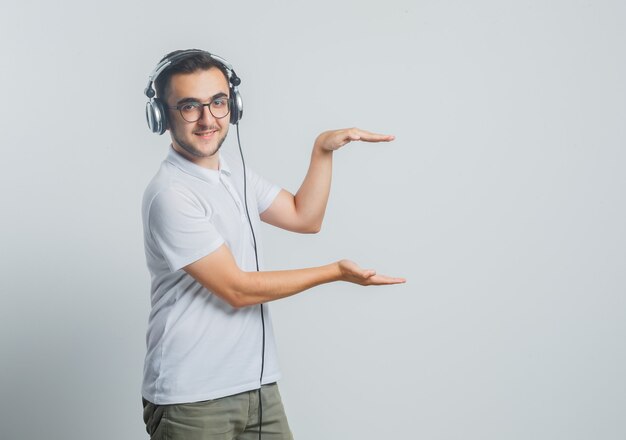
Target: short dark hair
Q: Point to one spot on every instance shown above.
(195, 61)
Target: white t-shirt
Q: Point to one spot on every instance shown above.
(198, 346)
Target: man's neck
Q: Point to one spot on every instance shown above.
(210, 162)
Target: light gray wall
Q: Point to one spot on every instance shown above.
(501, 201)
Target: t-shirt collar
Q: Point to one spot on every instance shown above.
(187, 166)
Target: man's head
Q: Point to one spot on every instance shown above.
(201, 82)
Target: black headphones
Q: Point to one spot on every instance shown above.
(156, 110)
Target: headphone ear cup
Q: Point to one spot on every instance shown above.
(236, 106)
(155, 116)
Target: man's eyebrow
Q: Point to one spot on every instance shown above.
(189, 99)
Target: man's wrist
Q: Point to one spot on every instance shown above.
(336, 272)
(319, 150)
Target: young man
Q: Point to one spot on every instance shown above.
(210, 341)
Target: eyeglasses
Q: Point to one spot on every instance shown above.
(192, 111)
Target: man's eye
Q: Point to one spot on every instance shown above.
(189, 107)
(220, 102)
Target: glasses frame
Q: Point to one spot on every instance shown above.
(202, 106)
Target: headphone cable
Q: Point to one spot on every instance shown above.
(256, 258)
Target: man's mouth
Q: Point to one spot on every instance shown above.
(206, 133)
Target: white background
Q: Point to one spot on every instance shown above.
(501, 202)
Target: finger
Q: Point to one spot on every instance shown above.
(356, 137)
(368, 136)
(384, 279)
(369, 133)
(377, 138)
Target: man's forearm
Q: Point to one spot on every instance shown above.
(312, 197)
(259, 287)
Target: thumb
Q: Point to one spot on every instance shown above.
(368, 273)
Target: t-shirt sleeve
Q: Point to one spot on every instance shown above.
(264, 190)
(181, 229)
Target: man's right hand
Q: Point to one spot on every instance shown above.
(351, 272)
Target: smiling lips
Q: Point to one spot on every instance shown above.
(206, 133)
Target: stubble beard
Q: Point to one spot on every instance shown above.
(193, 151)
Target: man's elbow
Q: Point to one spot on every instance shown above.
(231, 295)
(235, 299)
(238, 296)
(311, 228)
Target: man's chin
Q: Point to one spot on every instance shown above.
(197, 152)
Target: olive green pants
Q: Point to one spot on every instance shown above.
(228, 418)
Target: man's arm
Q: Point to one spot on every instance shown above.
(305, 211)
(219, 273)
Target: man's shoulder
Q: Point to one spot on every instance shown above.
(167, 183)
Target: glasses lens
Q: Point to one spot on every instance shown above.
(191, 112)
(219, 107)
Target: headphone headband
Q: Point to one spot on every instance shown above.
(167, 62)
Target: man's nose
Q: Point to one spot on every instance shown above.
(206, 117)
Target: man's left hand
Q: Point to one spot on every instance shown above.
(335, 139)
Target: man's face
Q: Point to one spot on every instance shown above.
(197, 141)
